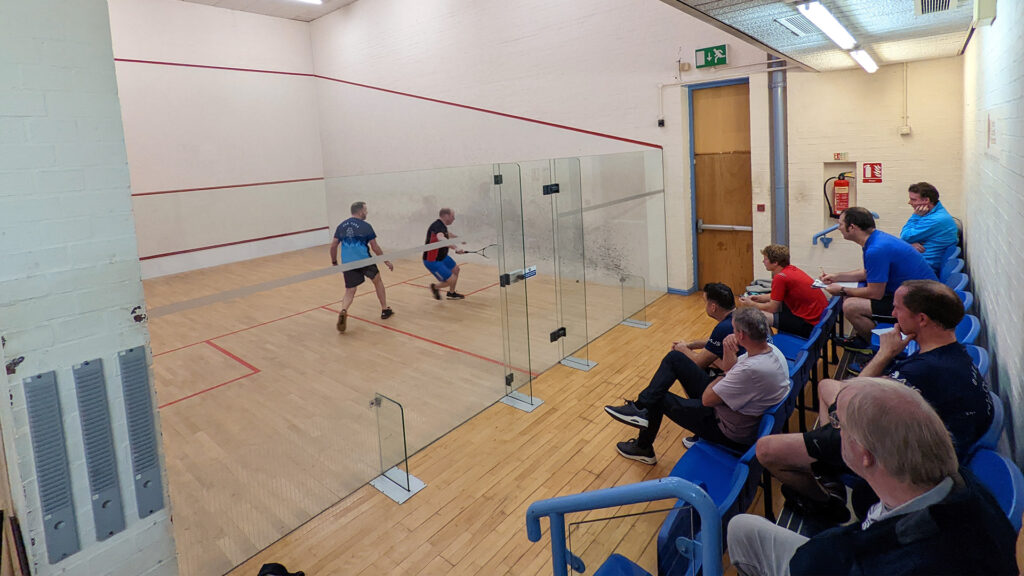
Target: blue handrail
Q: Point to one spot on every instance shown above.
(660, 489)
(825, 240)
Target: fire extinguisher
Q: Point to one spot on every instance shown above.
(841, 194)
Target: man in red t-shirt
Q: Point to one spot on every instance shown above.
(794, 305)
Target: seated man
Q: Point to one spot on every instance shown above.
(932, 518)
(930, 230)
(888, 262)
(794, 306)
(928, 312)
(719, 304)
(726, 410)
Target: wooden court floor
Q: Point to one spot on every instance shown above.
(265, 409)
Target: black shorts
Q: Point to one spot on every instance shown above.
(882, 306)
(786, 321)
(826, 447)
(355, 276)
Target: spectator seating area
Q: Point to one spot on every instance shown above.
(730, 479)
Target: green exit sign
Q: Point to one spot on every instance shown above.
(711, 56)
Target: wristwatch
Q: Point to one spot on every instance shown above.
(842, 290)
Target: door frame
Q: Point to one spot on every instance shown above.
(693, 167)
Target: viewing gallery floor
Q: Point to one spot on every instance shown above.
(265, 413)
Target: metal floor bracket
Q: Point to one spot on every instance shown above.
(522, 401)
(392, 485)
(578, 363)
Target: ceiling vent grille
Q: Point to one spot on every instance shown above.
(798, 25)
(922, 7)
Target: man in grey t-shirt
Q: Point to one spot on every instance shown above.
(729, 409)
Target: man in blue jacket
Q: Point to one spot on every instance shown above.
(932, 518)
(930, 230)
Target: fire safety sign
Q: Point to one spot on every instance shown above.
(871, 172)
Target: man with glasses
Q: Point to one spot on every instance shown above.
(931, 517)
(942, 372)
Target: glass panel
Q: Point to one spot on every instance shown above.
(634, 298)
(394, 452)
(515, 324)
(632, 532)
(571, 279)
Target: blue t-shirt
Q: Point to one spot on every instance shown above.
(722, 329)
(354, 235)
(892, 261)
(949, 381)
(936, 231)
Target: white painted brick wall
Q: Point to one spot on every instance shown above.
(69, 271)
(994, 199)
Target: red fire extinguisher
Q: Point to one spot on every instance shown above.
(841, 194)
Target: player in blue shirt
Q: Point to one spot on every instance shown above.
(356, 238)
(888, 262)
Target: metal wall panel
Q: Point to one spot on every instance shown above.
(138, 403)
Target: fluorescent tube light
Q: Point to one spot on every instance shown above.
(827, 23)
(310, 1)
(865, 60)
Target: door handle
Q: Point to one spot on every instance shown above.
(701, 227)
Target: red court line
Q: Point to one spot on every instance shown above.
(416, 285)
(224, 187)
(398, 93)
(482, 289)
(152, 256)
(254, 370)
(435, 342)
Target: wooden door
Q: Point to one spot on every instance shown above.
(721, 172)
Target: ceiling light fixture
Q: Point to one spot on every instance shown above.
(865, 60)
(310, 1)
(827, 23)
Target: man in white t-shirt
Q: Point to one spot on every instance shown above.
(729, 409)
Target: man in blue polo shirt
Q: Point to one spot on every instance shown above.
(356, 238)
(888, 262)
(930, 230)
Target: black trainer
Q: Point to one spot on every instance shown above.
(832, 511)
(455, 296)
(853, 344)
(629, 449)
(342, 320)
(435, 291)
(628, 414)
(689, 441)
(386, 313)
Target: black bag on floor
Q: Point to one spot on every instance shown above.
(275, 569)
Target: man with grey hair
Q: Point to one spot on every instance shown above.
(931, 519)
(726, 410)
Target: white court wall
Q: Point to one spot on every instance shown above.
(858, 113)
(993, 181)
(596, 69)
(69, 279)
(234, 155)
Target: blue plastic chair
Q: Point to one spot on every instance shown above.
(979, 356)
(967, 298)
(619, 565)
(967, 330)
(956, 281)
(951, 252)
(990, 439)
(799, 374)
(951, 266)
(1002, 477)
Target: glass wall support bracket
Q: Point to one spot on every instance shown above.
(521, 401)
(395, 482)
(578, 363)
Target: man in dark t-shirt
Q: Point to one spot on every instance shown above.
(356, 239)
(437, 261)
(693, 364)
(928, 312)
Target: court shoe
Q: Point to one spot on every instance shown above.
(832, 511)
(435, 291)
(455, 296)
(689, 441)
(342, 320)
(386, 313)
(853, 344)
(628, 414)
(629, 449)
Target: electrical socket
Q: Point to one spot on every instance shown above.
(904, 130)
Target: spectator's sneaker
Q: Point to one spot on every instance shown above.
(435, 291)
(689, 441)
(342, 320)
(386, 313)
(853, 344)
(629, 414)
(832, 511)
(455, 296)
(630, 450)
